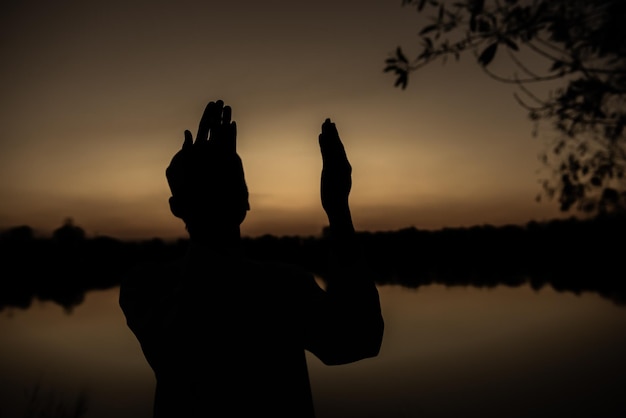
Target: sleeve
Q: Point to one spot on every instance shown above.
(344, 320)
(146, 302)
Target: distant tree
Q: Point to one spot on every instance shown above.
(578, 46)
(22, 233)
(69, 233)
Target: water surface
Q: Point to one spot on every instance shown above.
(447, 352)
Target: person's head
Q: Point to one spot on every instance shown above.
(206, 178)
(208, 188)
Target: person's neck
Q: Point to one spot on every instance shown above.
(219, 240)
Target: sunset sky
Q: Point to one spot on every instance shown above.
(96, 96)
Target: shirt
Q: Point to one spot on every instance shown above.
(226, 336)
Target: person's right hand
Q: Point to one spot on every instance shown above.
(216, 121)
(336, 179)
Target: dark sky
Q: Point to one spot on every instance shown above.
(96, 96)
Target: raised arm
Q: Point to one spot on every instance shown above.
(348, 324)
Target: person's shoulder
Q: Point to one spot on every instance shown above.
(153, 272)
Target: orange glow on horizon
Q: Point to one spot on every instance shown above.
(98, 102)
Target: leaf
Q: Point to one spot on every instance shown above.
(510, 44)
(401, 56)
(477, 6)
(487, 55)
(421, 4)
(402, 80)
(427, 29)
(483, 26)
(557, 65)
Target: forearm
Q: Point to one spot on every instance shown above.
(347, 324)
(346, 263)
(354, 325)
(340, 222)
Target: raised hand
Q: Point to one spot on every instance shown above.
(216, 129)
(336, 180)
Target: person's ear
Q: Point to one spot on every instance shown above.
(176, 207)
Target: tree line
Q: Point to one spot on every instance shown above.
(567, 254)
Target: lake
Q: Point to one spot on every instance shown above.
(455, 351)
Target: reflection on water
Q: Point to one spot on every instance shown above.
(448, 352)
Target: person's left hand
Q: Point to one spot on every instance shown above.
(336, 180)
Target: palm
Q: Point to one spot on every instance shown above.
(336, 179)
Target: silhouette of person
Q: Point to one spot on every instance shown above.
(226, 335)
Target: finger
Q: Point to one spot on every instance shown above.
(188, 140)
(216, 115)
(205, 123)
(330, 143)
(330, 130)
(229, 131)
(227, 139)
(328, 127)
(233, 135)
(227, 115)
(215, 120)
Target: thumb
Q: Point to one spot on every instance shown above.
(188, 142)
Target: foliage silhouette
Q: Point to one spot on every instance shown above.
(578, 43)
(570, 255)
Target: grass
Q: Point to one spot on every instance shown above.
(42, 403)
